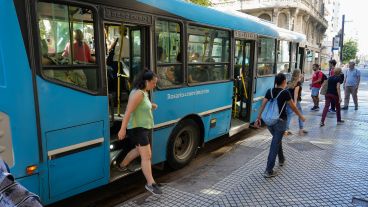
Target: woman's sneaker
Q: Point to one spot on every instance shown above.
(122, 168)
(271, 174)
(303, 132)
(154, 189)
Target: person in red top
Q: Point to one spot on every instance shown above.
(316, 85)
(81, 51)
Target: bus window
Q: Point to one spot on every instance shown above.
(59, 25)
(266, 56)
(283, 57)
(208, 54)
(169, 54)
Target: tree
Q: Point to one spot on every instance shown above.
(349, 51)
(202, 2)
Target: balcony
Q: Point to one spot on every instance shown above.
(259, 4)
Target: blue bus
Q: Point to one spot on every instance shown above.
(61, 106)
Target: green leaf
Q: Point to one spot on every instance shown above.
(201, 2)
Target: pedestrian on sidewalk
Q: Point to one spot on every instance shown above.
(332, 66)
(277, 130)
(138, 124)
(317, 79)
(351, 85)
(333, 94)
(295, 89)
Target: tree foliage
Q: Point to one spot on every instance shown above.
(202, 2)
(349, 51)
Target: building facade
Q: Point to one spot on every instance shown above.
(303, 16)
(332, 15)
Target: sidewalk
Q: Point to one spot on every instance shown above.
(328, 167)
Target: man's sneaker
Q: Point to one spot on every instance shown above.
(287, 133)
(356, 108)
(340, 122)
(332, 110)
(281, 163)
(267, 174)
(344, 108)
(154, 189)
(314, 108)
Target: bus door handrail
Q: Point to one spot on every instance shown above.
(119, 66)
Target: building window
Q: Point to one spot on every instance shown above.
(265, 17)
(283, 21)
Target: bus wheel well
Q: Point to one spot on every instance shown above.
(200, 125)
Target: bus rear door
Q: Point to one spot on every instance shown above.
(243, 73)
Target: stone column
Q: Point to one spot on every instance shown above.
(293, 18)
(275, 15)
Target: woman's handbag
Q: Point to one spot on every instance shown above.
(323, 90)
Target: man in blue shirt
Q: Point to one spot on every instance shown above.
(351, 85)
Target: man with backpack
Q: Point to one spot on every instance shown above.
(317, 80)
(273, 112)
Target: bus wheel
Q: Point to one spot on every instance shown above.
(183, 144)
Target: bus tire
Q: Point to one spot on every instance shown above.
(183, 144)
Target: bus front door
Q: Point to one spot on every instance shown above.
(243, 73)
(129, 43)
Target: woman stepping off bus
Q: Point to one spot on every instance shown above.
(137, 124)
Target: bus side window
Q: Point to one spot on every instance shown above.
(266, 56)
(67, 44)
(168, 54)
(283, 56)
(208, 54)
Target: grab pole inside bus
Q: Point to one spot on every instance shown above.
(205, 47)
(243, 83)
(119, 66)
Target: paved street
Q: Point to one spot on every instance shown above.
(327, 167)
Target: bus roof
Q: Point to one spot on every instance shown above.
(283, 34)
(213, 17)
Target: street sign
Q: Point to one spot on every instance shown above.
(336, 43)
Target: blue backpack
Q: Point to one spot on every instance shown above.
(271, 113)
(12, 194)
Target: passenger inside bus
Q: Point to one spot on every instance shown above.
(203, 73)
(112, 61)
(200, 74)
(195, 57)
(167, 77)
(81, 50)
(167, 74)
(75, 77)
